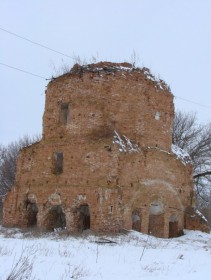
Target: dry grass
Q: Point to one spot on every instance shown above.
(22, 269)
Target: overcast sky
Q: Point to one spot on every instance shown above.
(172, 38)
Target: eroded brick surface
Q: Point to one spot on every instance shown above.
(105, 160)
(194, 220)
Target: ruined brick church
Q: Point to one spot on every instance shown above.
(105, 161)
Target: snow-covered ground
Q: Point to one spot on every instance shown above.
(131, 256)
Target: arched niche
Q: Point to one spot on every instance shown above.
(55, 218)
(83, 217)
(31, 214)
(136, 219)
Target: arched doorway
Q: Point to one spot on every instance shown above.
(83, 217)
(31, 214)
(156, 219)
(173, 227)
(55, 218)
(136, 220)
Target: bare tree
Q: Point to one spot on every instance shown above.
(196, 140)
(8, 157)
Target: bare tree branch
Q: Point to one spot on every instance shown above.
(196, 140)
(8, 156)
(202, 174)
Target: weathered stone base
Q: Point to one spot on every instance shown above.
(100, 209)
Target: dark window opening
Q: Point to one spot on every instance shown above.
(58, 163)
(64, 114)
(55, 218)
(84, 218)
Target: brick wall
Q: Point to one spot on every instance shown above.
(106, 148)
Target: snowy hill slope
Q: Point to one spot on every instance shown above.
(121, 257)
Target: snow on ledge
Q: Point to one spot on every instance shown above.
(160, 84)
(125, 144)
(181, 154)
(108, 68)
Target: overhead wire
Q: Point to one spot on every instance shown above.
(35, 43)
(24, 71)
(41, 77)
(193, 102)
(61, 53)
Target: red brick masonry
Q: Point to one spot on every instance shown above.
(105, 160)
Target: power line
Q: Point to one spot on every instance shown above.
(27, 72)
(48, 48)
(61, 53)
(35, 43)
(32, 74)
(193, 102)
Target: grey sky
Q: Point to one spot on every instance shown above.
(172, 38)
